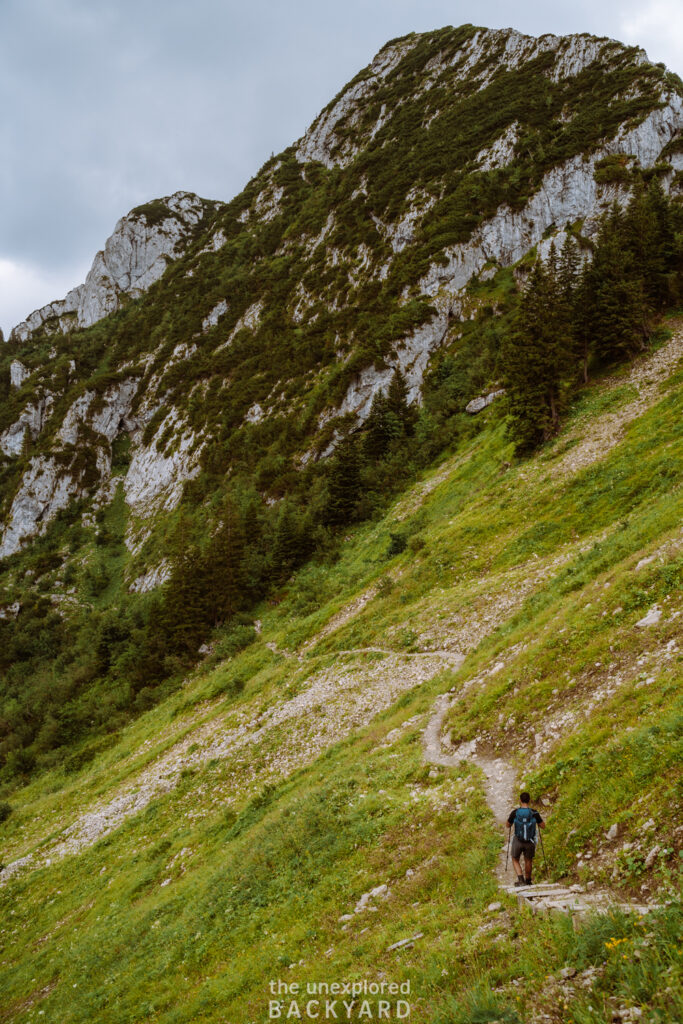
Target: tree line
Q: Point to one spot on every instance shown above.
(590, 307)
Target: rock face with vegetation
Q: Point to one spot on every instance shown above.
(134, 257)
(252, 535)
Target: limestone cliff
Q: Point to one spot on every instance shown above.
(134, 257)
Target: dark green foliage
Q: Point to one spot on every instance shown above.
(536, 358)
(5, 810)
(612, 170)
(566, 321)
(344, 483)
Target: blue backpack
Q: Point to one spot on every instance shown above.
(525, 825)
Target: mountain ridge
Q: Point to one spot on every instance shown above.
(419, 310)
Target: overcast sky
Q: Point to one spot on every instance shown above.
(109, 103)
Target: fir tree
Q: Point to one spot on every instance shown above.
(377, 434)
(224, 567)
(344, 484)
(397, 403)
(536, 358)
(183, 617)
(618, 306)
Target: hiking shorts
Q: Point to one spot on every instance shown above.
(519, 847)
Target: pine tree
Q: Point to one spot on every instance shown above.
(649, 236)
(225, 567)
(293, 541)
(618, 305)
(344, 484)
(536, 357)
(377, 435)
(183, 618)
(397, 403)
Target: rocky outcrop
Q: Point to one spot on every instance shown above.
(567, 193)
(330, 140)
(410, 357)
(133, 258)
(321, 142)
(477, 404)
(214, 315)
(106, 415)
(49, 485)
(46, 488)
(155, 478)
(151, 579)
(31, 421)
(18, 373)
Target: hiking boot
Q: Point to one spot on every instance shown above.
(527, 881)
(520, 881)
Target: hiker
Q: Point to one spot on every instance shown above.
(524, 839)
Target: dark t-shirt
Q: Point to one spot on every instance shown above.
(511, 819)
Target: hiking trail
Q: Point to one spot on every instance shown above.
(499, 776)
(499, 787)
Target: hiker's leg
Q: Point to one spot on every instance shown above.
(516, 853)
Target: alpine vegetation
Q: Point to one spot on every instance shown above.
(332, 519)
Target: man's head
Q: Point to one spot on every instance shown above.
(524, 798)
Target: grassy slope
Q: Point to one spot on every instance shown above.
(244, 866)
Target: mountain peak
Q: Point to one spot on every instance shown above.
(135, 255)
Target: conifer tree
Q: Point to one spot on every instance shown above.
(397, 403)
(536, 358)
(618, 306)
(184, 615)
(224, 567)
(344, 483)
(377, 434)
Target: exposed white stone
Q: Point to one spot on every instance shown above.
(151, 579)
(477, 404)
(402, 232)
(501, 152)
(68, 432)
(320, 140)
(18, 373)
(105, 415)
(110, 413)
(212, 318)
(268, 202)
(155, 479)
(255, 414)
(313, 244)
(32, 419)
(46, 488)
(410, 357)
(134, 257)
(217, 241)
(10, 611)
(249, 319)
(652, 617)
(183, 350)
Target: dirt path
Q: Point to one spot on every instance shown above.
(499, 787)
(597, 437)
(499, 776)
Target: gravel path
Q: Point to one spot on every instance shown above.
(499, 776)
